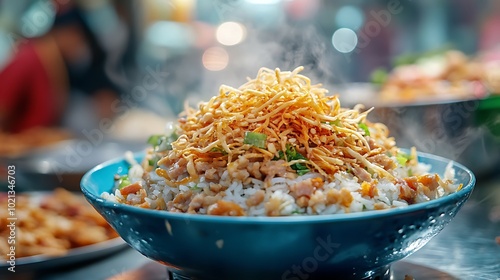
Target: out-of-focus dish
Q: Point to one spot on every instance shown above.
(15, 147)
(452, 129)
(277, 146)
(491, 64)
(23, 143)
(466, 131)
(434, 76)
(49, 225)
(72, 257)
(63, 163)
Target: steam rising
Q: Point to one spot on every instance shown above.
(284, 46)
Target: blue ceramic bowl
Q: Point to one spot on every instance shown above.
(339, 246)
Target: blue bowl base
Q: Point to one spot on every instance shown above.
(381, 273)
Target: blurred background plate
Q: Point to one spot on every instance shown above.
(63, 164)
(464, 130)
(78, 255)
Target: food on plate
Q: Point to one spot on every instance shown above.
(492, 76)
(491, 65)
(50, 224)
(277, 146)
(18, 144)
(435, 75)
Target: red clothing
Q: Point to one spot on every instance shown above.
(27, 95)
(489, 34)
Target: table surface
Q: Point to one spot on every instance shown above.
(465, 249)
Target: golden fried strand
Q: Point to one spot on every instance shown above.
(291, 112)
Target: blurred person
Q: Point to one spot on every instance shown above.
(33, 85)
(489, 38)
(40, 79)
(376, 36)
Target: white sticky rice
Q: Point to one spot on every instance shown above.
(234, 190)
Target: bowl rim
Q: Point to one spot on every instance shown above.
(466, 190)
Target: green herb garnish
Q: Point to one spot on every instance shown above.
(153, 140)
(161, 142)
(255, 139)
(218, 150)
(302, 168)
(403, 158)
(336, 123)
(195, 188)
(292, 154)
(364, 127)
(153, 161)
(123, 181)
(281, 155)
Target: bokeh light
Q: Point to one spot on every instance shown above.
(263, 2)
(215, 59)
(38, 19)
(302, 9)
(344, 40)
(170, 34)
(349, 17)
(230, 33)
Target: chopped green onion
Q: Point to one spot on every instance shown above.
(162, 143)
(255, 139)
(153, 161)
(336, 123)
(292, 154)
(364, 127)
(402, 158)
(195, 188)
(218, 150)
(281, 155)
(153, 140)
(301, 172)
(123, 182)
